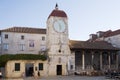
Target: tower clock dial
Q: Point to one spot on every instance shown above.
(59, 26)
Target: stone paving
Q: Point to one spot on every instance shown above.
(64, 78)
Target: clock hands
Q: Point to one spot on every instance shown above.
(60, 28)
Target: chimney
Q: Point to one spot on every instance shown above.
(93, 36)
(100, 34)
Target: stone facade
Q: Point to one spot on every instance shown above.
(62, 53)
(22, 70)
(31, 44)
(114, 40)
(60, 57)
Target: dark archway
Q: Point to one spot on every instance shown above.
(59, 69)
(29, 69)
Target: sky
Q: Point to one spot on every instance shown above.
(85, 17)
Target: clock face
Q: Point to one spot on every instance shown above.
(59, 26)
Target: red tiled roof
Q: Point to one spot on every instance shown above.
(97, 45)
(58, 13)
(112, 33)
(25, 30)
(109, 33)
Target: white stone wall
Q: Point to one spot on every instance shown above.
(114, 40)
(53, 37)
(59, 41)
(11, 73)
(65, 60)
(14, 41)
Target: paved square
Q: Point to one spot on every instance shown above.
(75, 78)
(65, 78)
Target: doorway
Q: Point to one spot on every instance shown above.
(59, 69)
(29, 69)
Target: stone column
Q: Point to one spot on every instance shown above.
(83, 60)
(109, 59)
(101, 64)
(117, 60)
(92, 59)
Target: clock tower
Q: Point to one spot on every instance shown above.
(58, 42)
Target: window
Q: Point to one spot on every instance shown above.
(22, 37)
(17, 66)
(22, 47)
(6, 36)
(43, 48)
(40, 66)
(5, 46)
(71, 67)
(43, 38)
(31, 43)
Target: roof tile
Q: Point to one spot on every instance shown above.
(99, 45)
(58, 13)
(25, 30)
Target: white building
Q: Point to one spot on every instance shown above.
(17, 40)
(112, 37)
